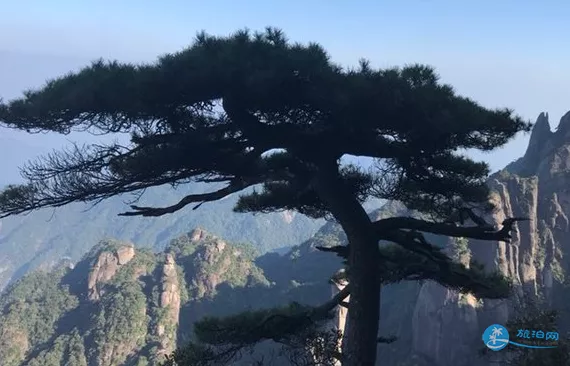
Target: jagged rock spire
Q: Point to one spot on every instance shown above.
(541, 133)
(564, 125)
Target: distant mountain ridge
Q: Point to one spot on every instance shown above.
(42, 238)
(121, 305)
(197, 274)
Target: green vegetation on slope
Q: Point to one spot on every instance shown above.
(31, 309)
(129, 324)
(38, 239)
(123, 309)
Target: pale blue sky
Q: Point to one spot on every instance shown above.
(500, 53)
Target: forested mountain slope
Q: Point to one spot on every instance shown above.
(121, 305)
(44, 237)
(125, 306)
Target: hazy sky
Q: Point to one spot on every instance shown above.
(501, 53)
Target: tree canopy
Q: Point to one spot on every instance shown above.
(273, 95)
(255, 110)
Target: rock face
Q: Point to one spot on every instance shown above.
(338, 321)
(536, 186)
(169, 300)
(105, 267)
(213, 263)
(137, 305)
(341, 314)
(197, 235)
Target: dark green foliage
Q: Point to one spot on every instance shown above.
(314, 347)
(440, 268)
(144, 261)
(194, 354)
(66, 350)
(251, 327)
(116, 327)
(198, 262)
(307, 347)
(31, 309)
(275, 95)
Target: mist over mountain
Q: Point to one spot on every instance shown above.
(42, 238)
(9, 148)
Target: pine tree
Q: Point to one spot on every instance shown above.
(254, 110)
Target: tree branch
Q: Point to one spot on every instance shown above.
(412, 258)
(385, 226)
(321, 311)
(264, 136)
(275, 324)
(234, 186)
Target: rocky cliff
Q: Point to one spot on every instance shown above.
(446, 328)
(120, 305)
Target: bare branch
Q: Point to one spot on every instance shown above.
(337, 299)
(233, 187)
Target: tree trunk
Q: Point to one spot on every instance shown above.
(359, 347)
(364, 308)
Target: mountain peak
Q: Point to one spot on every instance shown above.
(542, 121)
(541, 133)
(539, 138)
(564, 125)
(197, 234)
(542, 145)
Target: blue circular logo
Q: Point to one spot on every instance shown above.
(496, 337)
